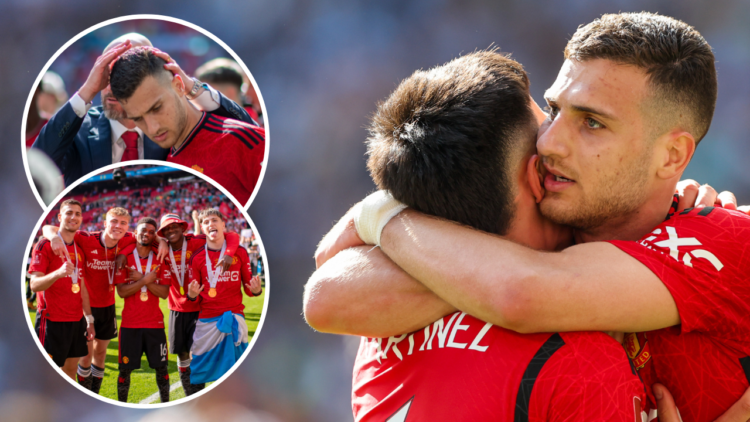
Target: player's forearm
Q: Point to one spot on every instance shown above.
(40, 283)
(476, 272)
(126, 290)
(362, 292)
(85, 300)
(50, 232)
(159, 290)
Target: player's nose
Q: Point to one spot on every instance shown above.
(554, 138)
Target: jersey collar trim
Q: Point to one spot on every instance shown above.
(190, 136)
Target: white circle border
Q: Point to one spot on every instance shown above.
(244, 213)
(197, 28)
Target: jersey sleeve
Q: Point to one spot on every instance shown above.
(233, 242)
(701, 256)
(127, 244)
(122, 273)
(592, 381)
(39, 258)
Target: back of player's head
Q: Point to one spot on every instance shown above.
(136, 40)
(449, 140)
(677, 59)
(221, 71)
(119, 212)
(70, 202)
(205, 213)
(132, 68)
(147, 220)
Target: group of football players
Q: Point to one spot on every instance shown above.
(76, 274)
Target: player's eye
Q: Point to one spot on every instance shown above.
(552, 111)
(593, 124)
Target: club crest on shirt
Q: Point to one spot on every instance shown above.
(196, 167)
(125, 359)
(636, 346)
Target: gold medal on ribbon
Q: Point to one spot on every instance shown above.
(75, 288)
(144, 296)
(212, 292)
(182, 291)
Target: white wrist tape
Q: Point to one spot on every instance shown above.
(90, 319)
(373, 213)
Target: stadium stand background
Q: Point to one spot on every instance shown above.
(321, 68)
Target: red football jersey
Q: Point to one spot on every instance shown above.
(702, 256)
(226, 150)
(462, 369)
(137, 313)
(179, 302)
(100, 264)
(229, 286)
(58, 302)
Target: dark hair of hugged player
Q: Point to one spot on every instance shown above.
(131, 68)
(676, 57)
(449, 136)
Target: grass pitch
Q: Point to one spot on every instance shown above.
(143, 381)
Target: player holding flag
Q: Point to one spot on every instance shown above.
(221, 332)
(183, 314)
(63, 299)
(142, 327)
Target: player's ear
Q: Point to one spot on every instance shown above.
(676, 150)
(178, 84)
(534, 178)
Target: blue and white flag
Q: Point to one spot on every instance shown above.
(218, 344)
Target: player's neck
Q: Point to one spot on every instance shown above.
(109, 241)
(177, 245)
(216, 244)
(67, 235)
(631, 225)
(143, 250)
(193, 118)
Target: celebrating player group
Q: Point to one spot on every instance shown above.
(582, 281)
(202, 276)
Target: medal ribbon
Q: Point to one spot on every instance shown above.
(111, 276)
(138, 264)
(73, 277)
(181, 274)
(213, 276)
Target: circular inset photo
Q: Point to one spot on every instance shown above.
(145, 87)
(145, 284)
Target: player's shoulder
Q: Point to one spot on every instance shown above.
(716, 222)
(42, 245)
(248, 134)
(198, 256)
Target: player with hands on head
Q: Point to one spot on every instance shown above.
(142, 325)
(220, 335)
(183, 314)
(63, 320)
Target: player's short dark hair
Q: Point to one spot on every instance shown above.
(220, 71)
(448, 140)
(210, 211)
(131, 68)
(147, 220)
(69, 202)
(677, 59)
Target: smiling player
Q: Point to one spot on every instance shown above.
(183, 313)
(100, 251)
(63, 300)
(142, 328)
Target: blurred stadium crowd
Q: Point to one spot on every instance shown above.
(321, 67)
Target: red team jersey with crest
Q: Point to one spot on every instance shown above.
(702, 256)
(99, 260)
(240, 147)
(137, 313)
(462, 369)
(57, 303)
(177, 301)
(229, 287)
